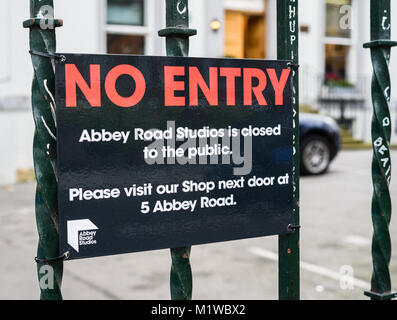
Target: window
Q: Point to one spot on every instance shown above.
(124, 44)
(336, 17)
(126, 12)
(244, 34)
(338, 41)
(335, 63)
(126, 29)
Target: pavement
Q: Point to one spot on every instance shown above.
(335, 242)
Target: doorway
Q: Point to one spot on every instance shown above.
(245, 35)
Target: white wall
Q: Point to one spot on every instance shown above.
(271, 29)
(82, 25)
(206, 43)
(311, 44)
(16, 64)
(245, 5)
(16, 127)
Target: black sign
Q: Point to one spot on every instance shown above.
(160, 152)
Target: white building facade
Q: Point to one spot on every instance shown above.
(130, 27)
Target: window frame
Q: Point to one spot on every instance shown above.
(146, 31)
(351, 42)
(335, 38)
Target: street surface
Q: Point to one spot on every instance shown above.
(335, 241)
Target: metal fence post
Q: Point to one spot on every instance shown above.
(287, 49)
(177, 35)
(380, 46)
(42, 40)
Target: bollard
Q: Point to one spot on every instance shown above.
(380, 46)
(177, 35)
(42, 44)
(287, 49)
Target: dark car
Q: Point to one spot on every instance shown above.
(319, 142)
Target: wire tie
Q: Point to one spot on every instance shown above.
(57, 57)
(62, 257)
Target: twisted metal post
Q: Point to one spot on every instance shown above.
(42, 39)
(177, 35)
(289, 249)
(380, 46)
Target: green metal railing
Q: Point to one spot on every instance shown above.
(177, 35)
(380, 46)
(42, 39)
(288, 251)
